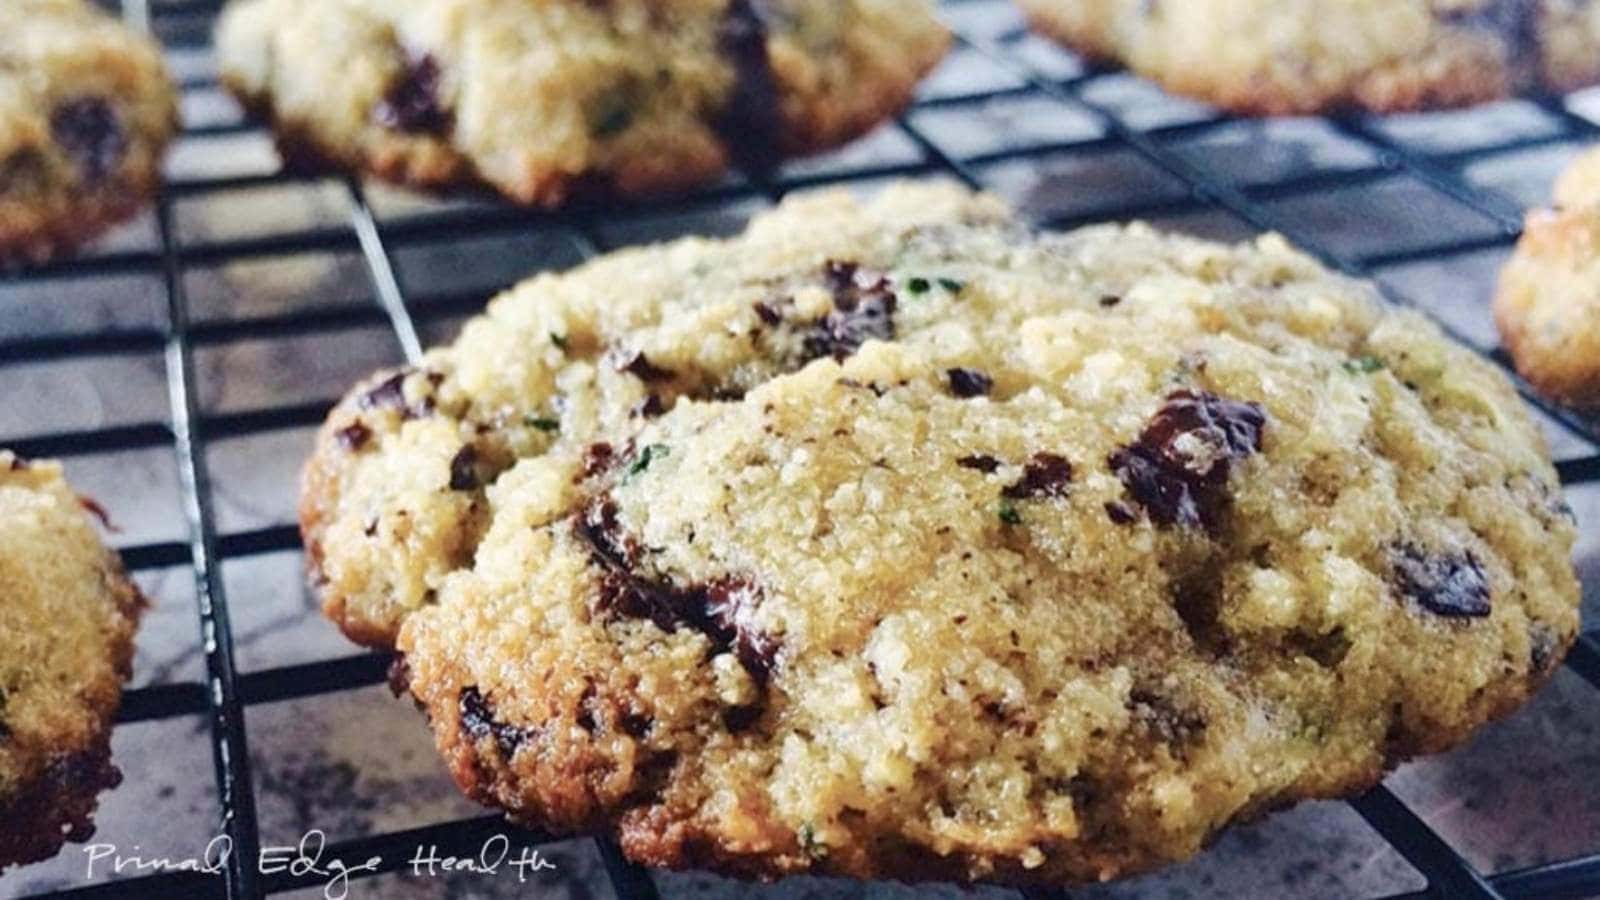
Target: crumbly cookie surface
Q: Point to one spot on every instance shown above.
(1272, 57)
(890, 539)
(86, 110)
(67, 617)
(539, 99)
(1548, 303)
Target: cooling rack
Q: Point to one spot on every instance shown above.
(1068, 143)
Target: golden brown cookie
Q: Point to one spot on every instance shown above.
(86, 110)
(539, 99)
(1284, 57)
(1548, 304)
(67, 617)
(893, 540)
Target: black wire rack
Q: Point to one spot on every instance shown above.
(1080, 116)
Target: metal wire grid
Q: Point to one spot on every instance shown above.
(226, 691)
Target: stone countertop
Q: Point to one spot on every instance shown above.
(356, 763)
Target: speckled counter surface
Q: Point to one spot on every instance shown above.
(283, 307)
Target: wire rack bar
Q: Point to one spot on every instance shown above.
(230, 748)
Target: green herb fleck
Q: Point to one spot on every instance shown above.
(543, 423)
(809, 843)
(1009, 514)
(951, 285)
(918, 285)
(646, 456)
(560, 340)
(1363, 365)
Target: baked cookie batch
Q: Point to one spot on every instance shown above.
(888, 538)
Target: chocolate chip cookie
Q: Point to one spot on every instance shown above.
(892, 539)
(1271, 57)
(539, 99)
(1548, 305)
(67, 617)
(86, 110)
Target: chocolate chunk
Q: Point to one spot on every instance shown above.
(1447, 584)
(650, 407)
(464, 469)
(1120, 513)
(598, 458)
(1164, 719)
(720, 610)
(969, 382)
(18, 464)
(981, 461)
(643, 369)
(1178, 468)
(599, 528)
(768, 313)
(354, 436)
(412, 102)
(399, 676)
(740, 718)
(389, 394)
(863, 309)
(728, 604)
(636, 725)
(90, 133)
(478, 720)
(1109, 300)
(750, 122)
(1045, 475)
(1542, 645)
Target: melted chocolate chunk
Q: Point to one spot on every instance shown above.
(18, 464)
(1178, 468)
(412, 102)
(598, 458)
(643, 369)
(750, 123)
(91, 134)
(966, 383)
(863, 309)
(728, 604)
(981, 461)
(479, 722)
(1045, 475)
(1450, 584)
(354, 436)
(464, 469)
(720, 610)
